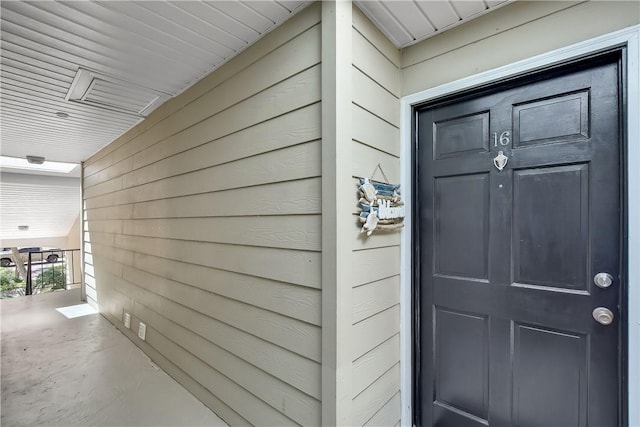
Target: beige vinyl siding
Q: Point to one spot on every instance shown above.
(375, 277)
(512, 33)
(204, 222)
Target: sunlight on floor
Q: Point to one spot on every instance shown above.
(73, 311)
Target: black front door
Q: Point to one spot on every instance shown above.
(518, 208)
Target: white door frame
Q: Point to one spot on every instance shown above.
(629, 37)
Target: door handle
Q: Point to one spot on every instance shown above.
(603, 315)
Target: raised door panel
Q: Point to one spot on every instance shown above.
(461, 226)
(549, 377)
(461, 136)
(560, 118)
(462, 364)
(551, 226)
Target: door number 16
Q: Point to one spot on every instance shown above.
(503, 140)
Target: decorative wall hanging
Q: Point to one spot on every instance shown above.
(381, 207)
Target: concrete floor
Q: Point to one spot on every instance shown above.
(83, 372)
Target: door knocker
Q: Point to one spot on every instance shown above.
(500, 161)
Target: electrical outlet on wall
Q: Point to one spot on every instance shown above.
(142, 331)
(127, 320)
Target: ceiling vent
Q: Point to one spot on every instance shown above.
(103, 91)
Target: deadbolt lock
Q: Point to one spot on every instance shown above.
(603, 280)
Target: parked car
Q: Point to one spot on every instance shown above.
(38, 254)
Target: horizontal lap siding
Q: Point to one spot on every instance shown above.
(376, 259)
(504, 36)
(205, 225)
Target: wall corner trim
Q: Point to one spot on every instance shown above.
(337, 192)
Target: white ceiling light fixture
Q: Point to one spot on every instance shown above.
(35, 160)
(36, 163)
(108, 92)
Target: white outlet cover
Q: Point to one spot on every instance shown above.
(127, 320)
(142, 331)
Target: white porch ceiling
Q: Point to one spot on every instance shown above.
(406, 22)
(134, 47)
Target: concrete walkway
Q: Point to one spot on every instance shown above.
(59, 371)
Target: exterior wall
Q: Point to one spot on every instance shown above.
(204, 223)
(514, 32)
(375, 275)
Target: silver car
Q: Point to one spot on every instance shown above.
(38, 254)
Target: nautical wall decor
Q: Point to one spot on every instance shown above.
(381, 207)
